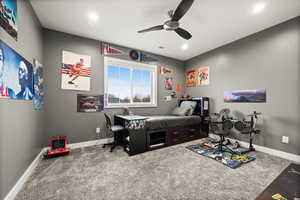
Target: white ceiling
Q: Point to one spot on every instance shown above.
(212, 23)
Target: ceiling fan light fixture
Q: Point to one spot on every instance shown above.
(173, 23)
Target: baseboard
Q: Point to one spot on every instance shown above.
(90, 143)
(274, 152)
(19, 184)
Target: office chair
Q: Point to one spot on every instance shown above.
(222, 129)
(116, 129)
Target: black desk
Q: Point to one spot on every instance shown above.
(287, 184)
(135, 132)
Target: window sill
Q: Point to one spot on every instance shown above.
(131, 106)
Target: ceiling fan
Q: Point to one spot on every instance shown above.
(173, 23)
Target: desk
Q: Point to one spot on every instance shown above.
(135, 132)
(287, 184)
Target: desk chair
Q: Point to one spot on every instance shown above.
(116, 129)
(222, 129)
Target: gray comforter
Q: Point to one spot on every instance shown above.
(168, 121)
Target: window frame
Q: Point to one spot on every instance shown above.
(131, 65)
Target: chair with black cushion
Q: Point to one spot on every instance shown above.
(222, 129)
(117, 131)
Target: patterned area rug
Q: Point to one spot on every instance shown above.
(228, 158)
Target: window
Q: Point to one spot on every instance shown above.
(129, 83)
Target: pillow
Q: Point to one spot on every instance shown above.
(179, 111)
(188, 106)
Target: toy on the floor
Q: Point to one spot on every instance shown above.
(57, 147)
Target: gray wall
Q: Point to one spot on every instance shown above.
(268, 59)
(21, 127)
(61, 105)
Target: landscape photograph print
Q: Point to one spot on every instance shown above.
(246, 96)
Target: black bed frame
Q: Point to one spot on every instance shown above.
(180, 134)
(142, 140)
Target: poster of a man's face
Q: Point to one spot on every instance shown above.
(15, 75)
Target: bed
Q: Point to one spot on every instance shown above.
(170, 121)
(167, 130)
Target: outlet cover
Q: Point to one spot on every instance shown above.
(98, 130)
(285, 139)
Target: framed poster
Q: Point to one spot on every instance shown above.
(38, 81)
(16, 75)
(169, 83)
(9, 17)
(190, 78)
(75, 71)
(203, 76)
(90, 103)
(246, 96)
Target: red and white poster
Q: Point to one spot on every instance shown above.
(107, 49)
(75, 71)
(203, 76)
(165, 70)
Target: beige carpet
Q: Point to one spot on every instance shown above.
(173, 173)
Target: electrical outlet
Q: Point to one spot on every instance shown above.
(98, 130)
(285, 139)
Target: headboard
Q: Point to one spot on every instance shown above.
(202, 106)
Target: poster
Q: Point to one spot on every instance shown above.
(165, 70)
(246, 96)
(38, 82)
(169, 83)
(76, 71)
(203, 76)
(190, 79)
(9, 17)
(90, 103)
(16, 74)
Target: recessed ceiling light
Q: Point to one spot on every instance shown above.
(93, 16)
(258, 7)
(185, 46)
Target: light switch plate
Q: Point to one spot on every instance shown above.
(98, 130)
(285, 139)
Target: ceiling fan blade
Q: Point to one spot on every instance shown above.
(183, 33)
(154, 28)
(182, 8)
